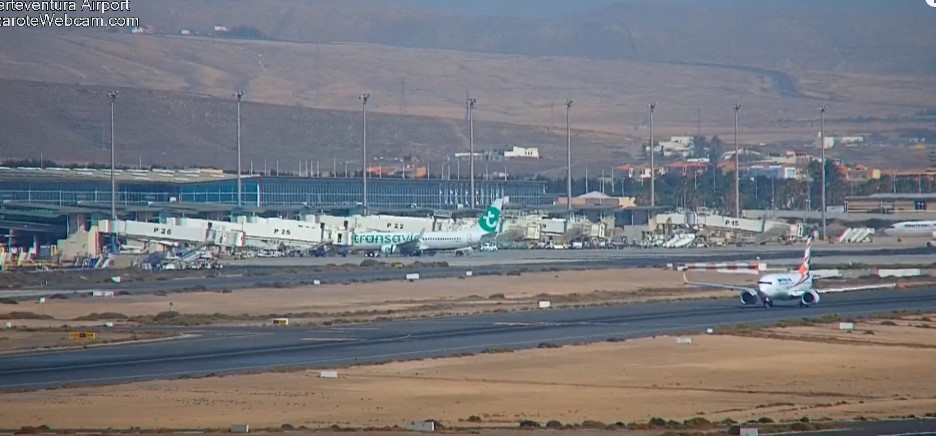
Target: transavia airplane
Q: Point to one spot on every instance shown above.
(487, 228)
(791, 286)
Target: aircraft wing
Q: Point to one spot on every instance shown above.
(719, 286)
(856, 288)
(412, 245)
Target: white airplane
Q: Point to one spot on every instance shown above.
(461, 241)
(912, 228)
(791, 286)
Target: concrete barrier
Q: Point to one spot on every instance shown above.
(425, 426)
(737, 271)
(827, 274)
(684, 341)
(906, 272)
(469, 273)
(328, 374)
(412, 277)
(545, 304)
(846, 326)
(720, 266)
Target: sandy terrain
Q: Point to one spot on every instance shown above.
(443, 295)
(13, 340)
(716, 377)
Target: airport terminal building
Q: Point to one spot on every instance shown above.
(72, 187)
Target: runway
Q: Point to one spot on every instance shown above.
(229, 350)
(307, 270)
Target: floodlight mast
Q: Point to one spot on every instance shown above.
(364, 97)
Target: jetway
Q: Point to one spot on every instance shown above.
(719, 222)
(144, 231)
(263, 232)
(386, 223)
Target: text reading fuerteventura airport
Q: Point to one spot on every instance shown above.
(55, 13)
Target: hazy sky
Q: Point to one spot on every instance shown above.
(511, 7)
(558, 7)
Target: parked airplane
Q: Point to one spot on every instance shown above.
(791, 286)
(461, 241)
(912, 228)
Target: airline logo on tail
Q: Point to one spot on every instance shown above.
(491, 218)
(804, 268)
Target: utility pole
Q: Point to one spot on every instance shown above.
(652, 160)
(568, 105)
(113, 180)
(822, 110)
(471, 104)
(240, 190)
(364, 98)
(737, 160)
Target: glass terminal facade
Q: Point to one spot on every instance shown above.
(272, 191)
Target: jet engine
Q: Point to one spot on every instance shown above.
(809, 298)
(748, 298)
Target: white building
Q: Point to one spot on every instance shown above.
(522, 152)
(832, 141)
(676, 146)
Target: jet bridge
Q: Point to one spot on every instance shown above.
(143, 231)
(263, 232)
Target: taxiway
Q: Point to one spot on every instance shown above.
(501, 262)
(228, 350)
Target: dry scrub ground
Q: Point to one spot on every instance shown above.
(831, 375)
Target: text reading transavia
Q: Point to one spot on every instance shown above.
(64, 6)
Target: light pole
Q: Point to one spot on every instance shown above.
(652, 160)
(364, 98)
(471, 104)
(568, 105)
(822, 110)
(113, 98)
(737, 161)
(240, 190)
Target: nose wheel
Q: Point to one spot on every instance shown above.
(768, 303)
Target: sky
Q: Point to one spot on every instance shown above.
(534, 8)
(511, 7)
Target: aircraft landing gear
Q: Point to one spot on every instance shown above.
(803, 305)
(768, 303)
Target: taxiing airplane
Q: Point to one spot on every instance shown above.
(912, 228)
(791, 286)
(461, 241)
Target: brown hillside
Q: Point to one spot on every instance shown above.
(610, 95)
(853, 36)
(169, 128)
(779, 61)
